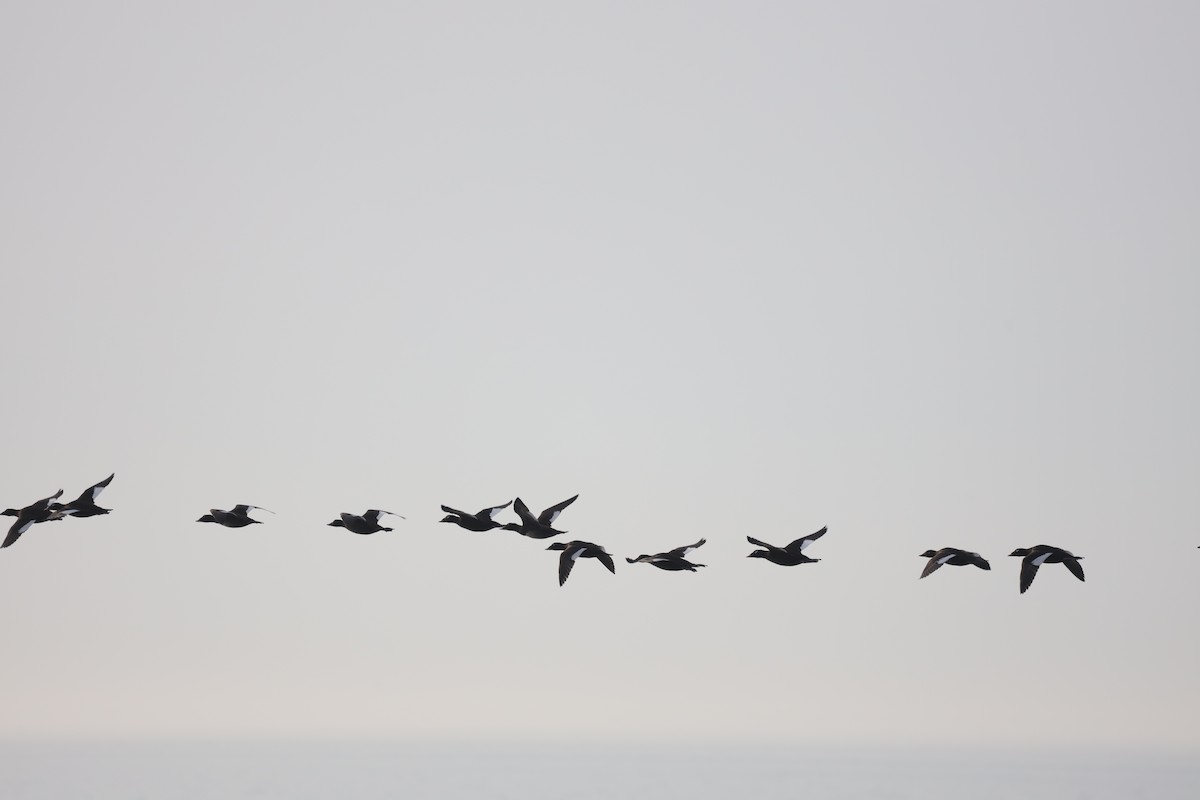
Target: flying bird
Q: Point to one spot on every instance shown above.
(1034, 557)
(365, 524)
(30, 515)
(672, 560)
(573, 551)
(954, 557)
(236, 517)
(485, 520)
(790, 554)
(85, 504)
(541, 527)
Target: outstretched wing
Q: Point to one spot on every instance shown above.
(243, 510)
(933, 565)
(761, 543)
(1028, 573)
(490, 513)
(804, 541)
(605, 559)
(1075, 567)
(14, 533)
(93, 492)
(523, 512)
(44, 503)
(566, 561)
(373, 514)
(548, 516)
(680, 552)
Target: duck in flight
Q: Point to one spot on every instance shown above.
(30, 515)
(672, 560)
(236, 517)
(1034, 557)
(790, 554)
(573, 551)
(366, 524)
(485, 520)
(541, 527)
(954, 557)
(85, 504)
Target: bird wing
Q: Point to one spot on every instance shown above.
(548, 516)
(450, 510)
(14, 532)
(372, 515)
(605, 559)
(523, 512)
(1028, 572)
(490, 513)
(243, 510)
(566, 561)
(92, 493)
(804, 541)
(44, 503)
(761, 543)
(680, 552)
(934, 564)
(1075, 567)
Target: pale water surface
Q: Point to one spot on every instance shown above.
(241, 771)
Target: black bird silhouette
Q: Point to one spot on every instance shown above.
(365, 524)
(236, 517)
(954, 557)
(789, 555)
(1034, 557)
(29, 516)
(671, 560)
(541, 527)
(572, 551)
(483, 521)
(85, 504)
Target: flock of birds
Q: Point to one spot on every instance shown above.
(542, 527)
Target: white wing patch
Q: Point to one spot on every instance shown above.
(1041, 559)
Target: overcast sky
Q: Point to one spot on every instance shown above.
(925, 273)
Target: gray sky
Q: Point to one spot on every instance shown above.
(924, 273)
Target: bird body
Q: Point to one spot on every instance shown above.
(29, 516)
(573, 551)
(236, 517)
(85, 504)
(1034, 557)
(364, 524)
(666, 562)
(954, 557)
(790, 554)
(541, 526)
(482, 521)
(671, 560)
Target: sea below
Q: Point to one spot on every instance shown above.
(527, 771)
